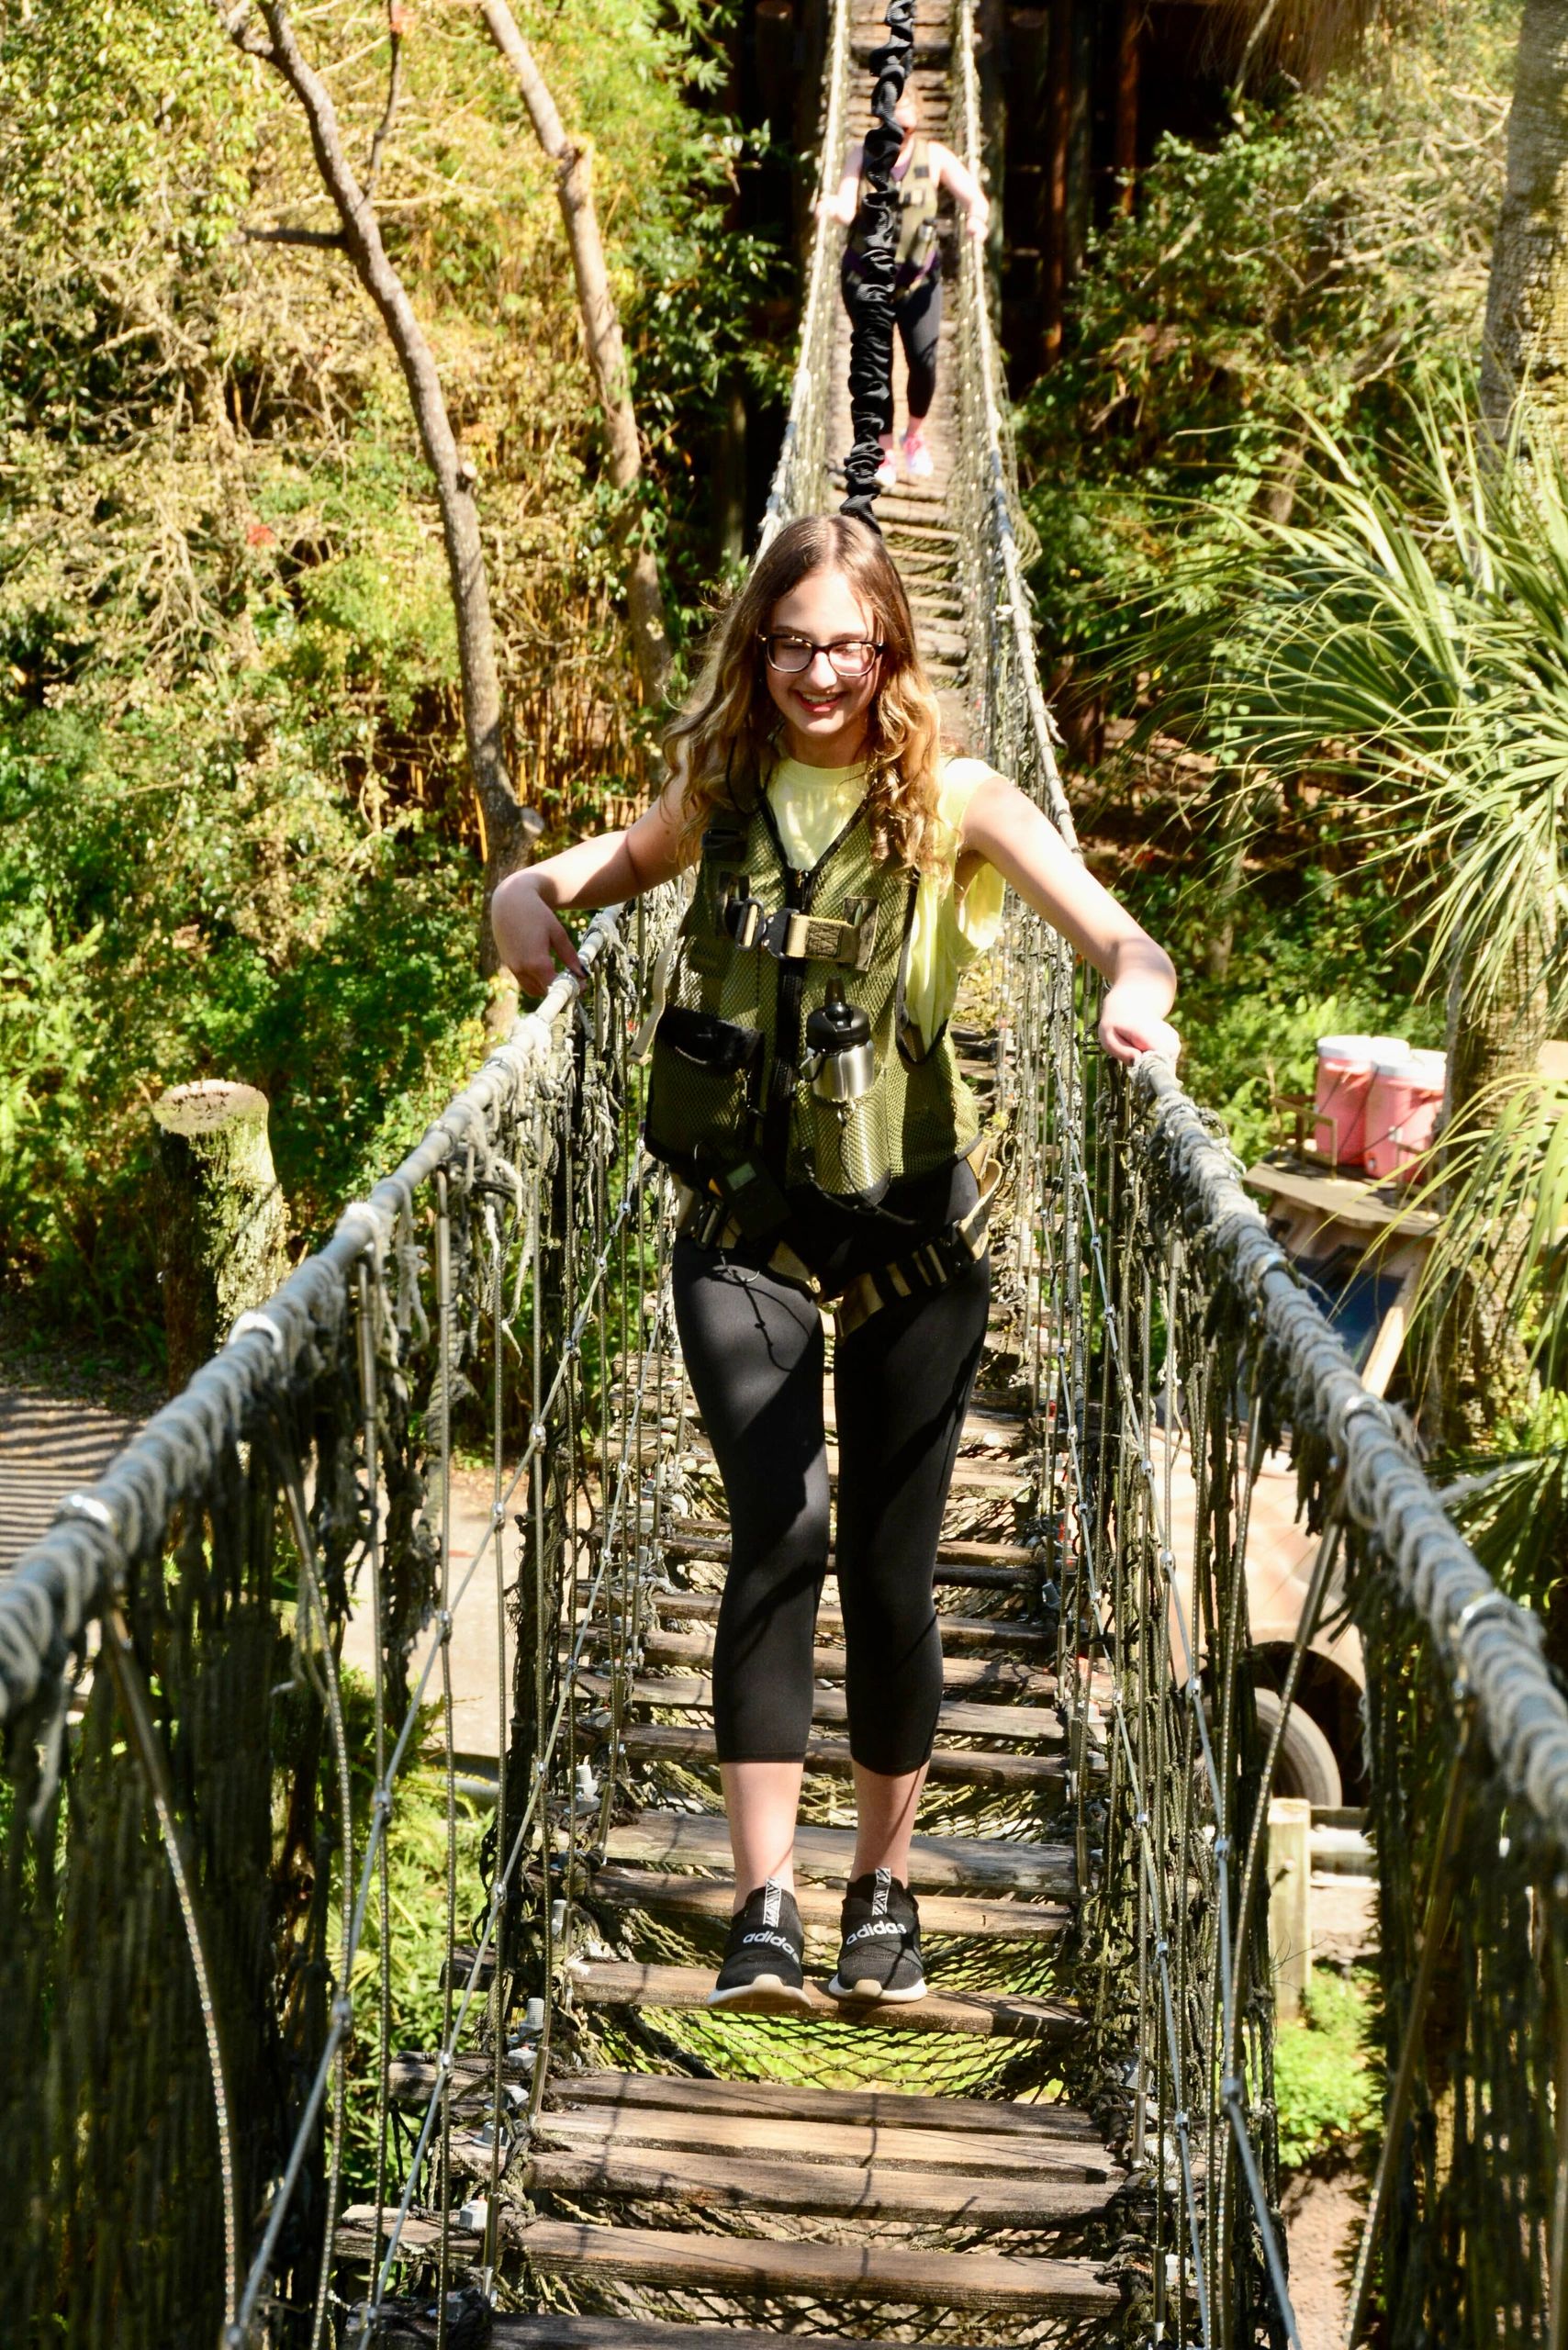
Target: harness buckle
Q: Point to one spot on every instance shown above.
(793, 935)
(746, 919)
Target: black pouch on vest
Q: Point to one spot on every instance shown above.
(700, 1101)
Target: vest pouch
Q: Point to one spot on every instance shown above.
(849, 1145)
(699, 1087)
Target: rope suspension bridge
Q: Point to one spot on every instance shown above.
(230, 2112)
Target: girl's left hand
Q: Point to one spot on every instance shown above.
(1130, 1026)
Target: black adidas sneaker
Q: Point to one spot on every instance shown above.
(764, 1972)
(878, 1957)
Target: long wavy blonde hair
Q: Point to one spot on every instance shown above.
(726, 742)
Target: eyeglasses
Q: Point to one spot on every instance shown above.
(851, 655)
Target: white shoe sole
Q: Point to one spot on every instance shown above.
(766, 1995)
(874, 1991)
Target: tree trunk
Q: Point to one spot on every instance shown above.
(1526, 342)
(508, 828)
(601, 334)
(221, 1223)
(1482, 1372)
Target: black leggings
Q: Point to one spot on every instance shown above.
(754, 1349)
(918, 316)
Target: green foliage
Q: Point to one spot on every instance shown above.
(1329, 952)
(1326, 2081)
(1302, 267)
(240, 838)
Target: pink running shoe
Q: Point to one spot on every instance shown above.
(917, 462)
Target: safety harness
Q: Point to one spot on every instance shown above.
(706, 1218)
(732, 1107)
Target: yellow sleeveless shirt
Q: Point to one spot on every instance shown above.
(812, 805)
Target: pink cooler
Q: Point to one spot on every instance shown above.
(1344, 1081)
(1404, 1103)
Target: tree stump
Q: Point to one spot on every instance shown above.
(222, 1224)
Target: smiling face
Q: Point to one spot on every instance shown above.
(825, 715)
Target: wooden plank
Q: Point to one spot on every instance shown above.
(858, 2145)
(709, 1538)
(1342, 1199)
(969, 1672)
(1049, 2125)
(562, 2329)
(957, 1717)
(696, 1747)
(734, 2182)
(824, 2272)
(616, 1984)
(969, 1476)
(706, 1896)
(961, 1635)
(945, 1863)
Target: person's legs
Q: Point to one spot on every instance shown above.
(903, 1383)
(754, 1351)
(919, 323)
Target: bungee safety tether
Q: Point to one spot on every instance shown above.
(870, 293)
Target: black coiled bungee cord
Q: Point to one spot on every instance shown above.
(870, 291)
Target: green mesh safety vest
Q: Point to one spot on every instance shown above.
(919, 199)
(730, 1106)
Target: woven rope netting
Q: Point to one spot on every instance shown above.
(286, 1985)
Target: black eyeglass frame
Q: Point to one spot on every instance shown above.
(763, 637)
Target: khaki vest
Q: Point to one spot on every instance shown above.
(756, 952)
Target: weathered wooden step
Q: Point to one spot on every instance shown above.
(695, 1748)
(615, 1983)
(964, 1565)
(562, 2330)
(969, 1476)
(944, 1863)
(969, 1674)
(707, 1897)
(856, 2144)
(824, 2272)
(872, 2109)
(735, 2181)
(959, 1717)
(961, 1635)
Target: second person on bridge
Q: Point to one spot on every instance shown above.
(805, 1091)
(921, 171)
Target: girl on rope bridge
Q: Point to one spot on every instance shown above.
(804, 1088)
(920, 171)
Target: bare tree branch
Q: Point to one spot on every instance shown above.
(395, 22)
(601, 333)
(508, 827)
(326, 240)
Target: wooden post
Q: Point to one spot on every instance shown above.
(221, 1223)
(1125, 138)
(1290, 1902)
(1058, 159)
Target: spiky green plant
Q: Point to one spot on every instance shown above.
(1409, 646)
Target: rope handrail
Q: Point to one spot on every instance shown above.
(514, 1269)
(63, 1580)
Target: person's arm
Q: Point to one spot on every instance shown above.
(604, 870)
(847, 202)
(963, 188)
(1010, 833)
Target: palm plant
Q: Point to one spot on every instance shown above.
(1412, 639)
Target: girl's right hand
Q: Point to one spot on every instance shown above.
(531, 938)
